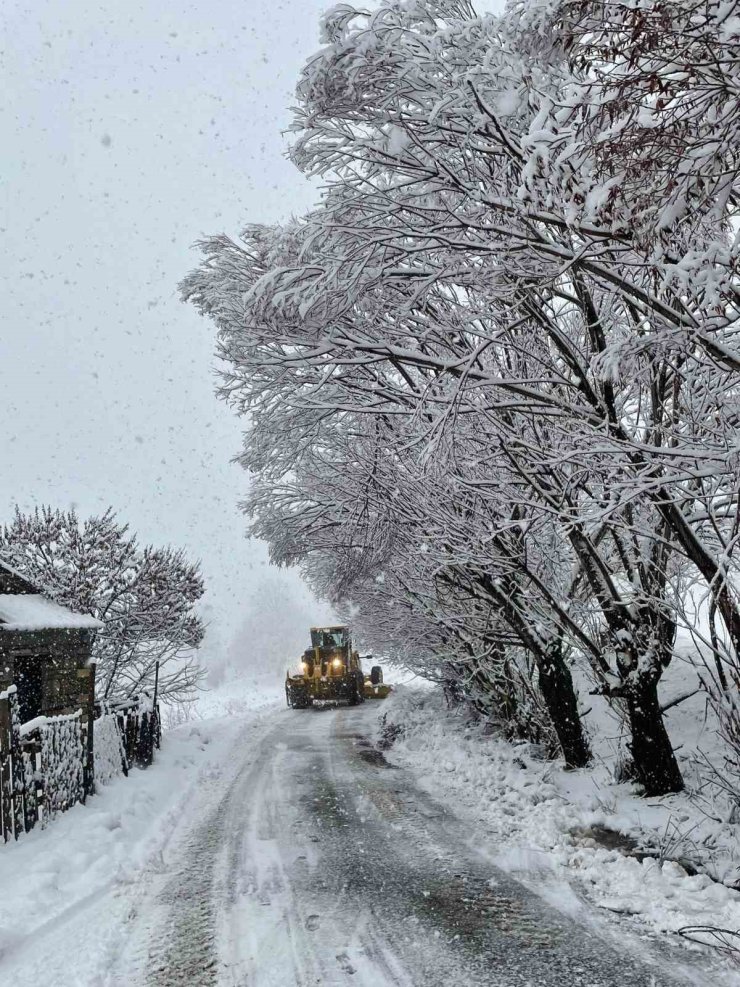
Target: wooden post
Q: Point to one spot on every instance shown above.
(155, 714)
(121, 726)
(156, 683)
(90, 786)
(18, 773)
(6, 778)
(88, 712)
(30, 756)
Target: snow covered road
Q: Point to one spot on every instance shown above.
(315, 863)
(302, 857)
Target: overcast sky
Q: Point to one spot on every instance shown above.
(128, 131)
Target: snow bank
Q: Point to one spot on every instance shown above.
(543, 820)
(94, 846)
(238, 696)
(89, 856)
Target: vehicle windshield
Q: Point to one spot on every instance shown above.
(329, 637)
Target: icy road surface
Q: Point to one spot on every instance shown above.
(316, 863)
(280, 849)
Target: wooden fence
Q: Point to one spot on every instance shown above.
(47, 765)
(139, 728)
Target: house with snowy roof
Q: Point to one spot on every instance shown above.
(45, 649)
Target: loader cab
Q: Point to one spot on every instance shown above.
(330, 638)
(331, 651)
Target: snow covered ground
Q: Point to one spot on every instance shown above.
(69, 891)
(547, 823)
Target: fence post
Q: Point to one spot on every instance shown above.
(30, 790)
(88, 707)
(154, 719)
(6, 778)
(17, 766)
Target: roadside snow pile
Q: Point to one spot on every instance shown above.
(541, 818)
(236, 696)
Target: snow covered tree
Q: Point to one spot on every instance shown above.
(505, 273)
(144, 596)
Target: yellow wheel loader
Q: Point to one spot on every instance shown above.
(331, 671)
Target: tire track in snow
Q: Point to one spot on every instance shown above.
(278, 929)
(183, 948)
(179, 928)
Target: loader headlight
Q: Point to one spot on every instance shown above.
(337, 663)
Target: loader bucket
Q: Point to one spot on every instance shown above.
(380, 691)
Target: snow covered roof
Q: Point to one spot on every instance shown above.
(34, 612)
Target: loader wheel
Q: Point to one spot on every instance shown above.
(376, 675)
(297, 698)
(358, 694)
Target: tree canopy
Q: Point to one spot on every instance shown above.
(492, 377)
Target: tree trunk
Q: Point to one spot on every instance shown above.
(555, 680)
(556, 686)
(497, 687)
(655, 763)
